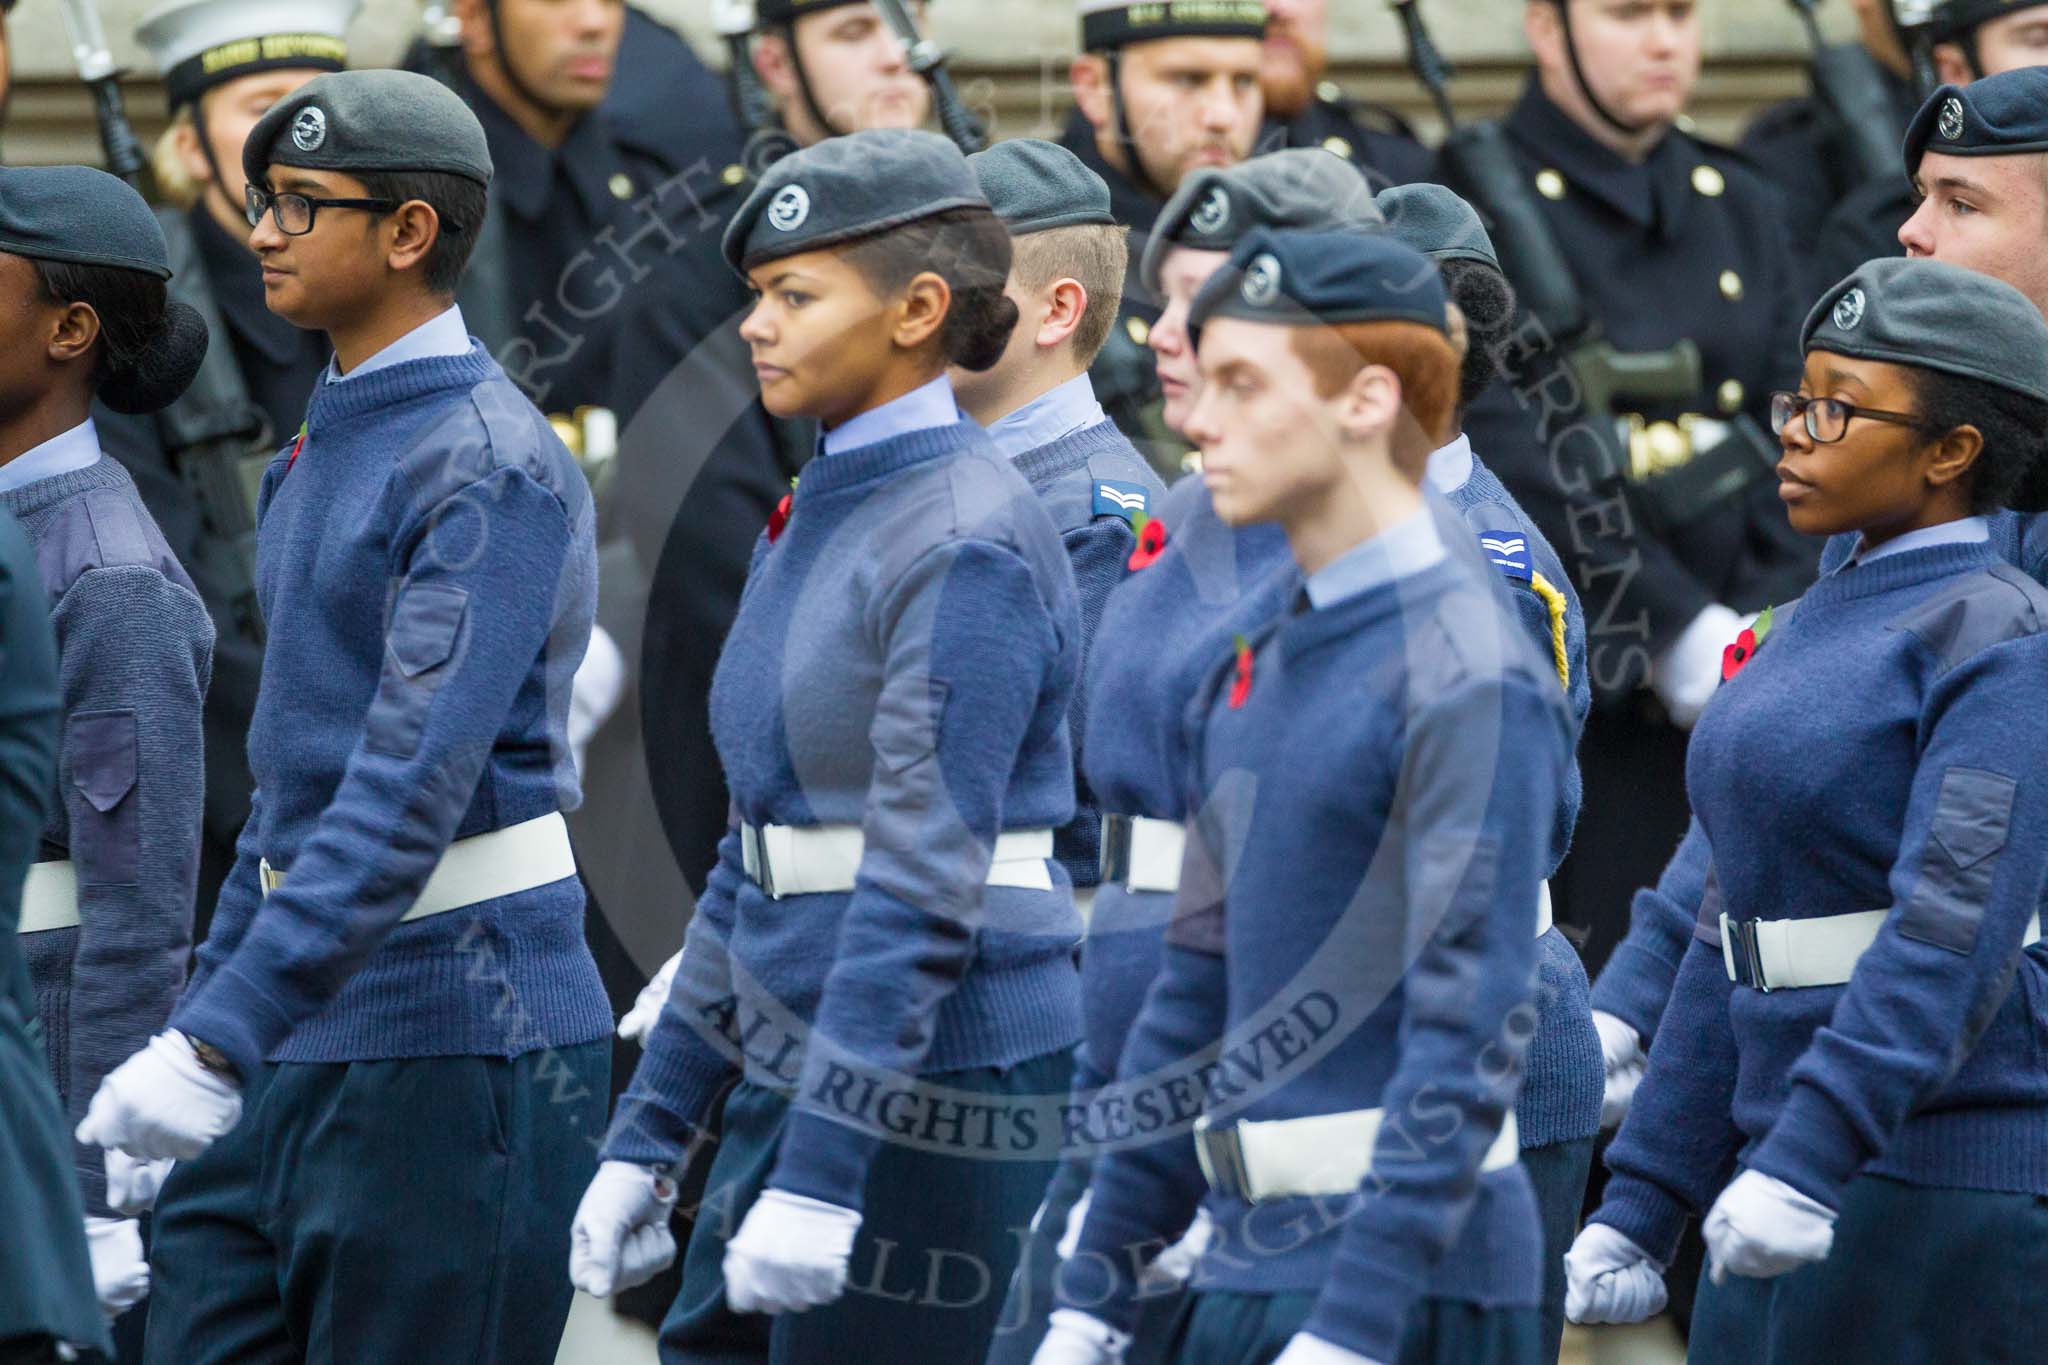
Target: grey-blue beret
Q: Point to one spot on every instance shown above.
(2002, 115)
(846, 188)
(1437, 223)
(1300, 279)
(1930, 315)
(1035, 186)
(370, 121)
(1303, 187)
(80, 215)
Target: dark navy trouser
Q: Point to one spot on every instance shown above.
(1917, 1276)
(1224, 1327)
(1557, 1173)
(939, 1238)
(407, 1211)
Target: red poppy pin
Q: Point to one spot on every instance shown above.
(1241, 685)
(1151, 540)
(297, 446)
(1736, 657)
(778, 520)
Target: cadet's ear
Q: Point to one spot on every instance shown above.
(477, 38)
(1953, 455)
(921, 311)
(1952, 64)
(1369, 409)
(1542, 26)
(773, 65)
(1089, 76)
(72, 337)
(414, 228)
(1063, 304)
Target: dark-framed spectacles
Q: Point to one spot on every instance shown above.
(1827, 419)
(293, 213)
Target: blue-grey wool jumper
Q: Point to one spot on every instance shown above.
(135, 654)
(903, 661)
(1882, 748)
(427, 570)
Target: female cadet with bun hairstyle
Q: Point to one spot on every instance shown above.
(1856, 1032)
(885, 938)
(107, 913)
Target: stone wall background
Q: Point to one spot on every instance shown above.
(1010, 54)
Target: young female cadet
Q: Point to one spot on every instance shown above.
(885, 940)
(47, 1302)
(1163, 628)
(1352, 930)
(1875, 1072)
(401, 940)
(107, 917)
(1557, 1115)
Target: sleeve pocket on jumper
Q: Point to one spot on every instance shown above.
(426, 625)
(1972, 818)
(101, 747)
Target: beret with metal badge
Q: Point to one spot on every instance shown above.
(1931, 315)
(846, 188)
(1293, 278)
(2002, 115)
(1035, 186)
(80, 215)
(1303, 187)
(370, 121)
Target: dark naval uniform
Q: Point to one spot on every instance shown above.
(1836, 223)
(1126, 380)
(1377, 141)
(1689, 244)
(701, 465)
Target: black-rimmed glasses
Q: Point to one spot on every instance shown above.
(293, 213)
(1827, 419)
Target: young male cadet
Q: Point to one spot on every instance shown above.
(1160, 92)
(395, 1001)
(1039, 407)
(1979, 156)
(1375, 777)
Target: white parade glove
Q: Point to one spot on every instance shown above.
(594, 693)
(1685, 675)
(1761, 1227)
(1076, 1338)
(621, 1237)
(789, 1254)
(120, 1275)
(1621, 1051)
(1608, 1278)
(1177, 1263)
(162, 1103)
(1303, 1349)
(639, 1020)
(132, 1185)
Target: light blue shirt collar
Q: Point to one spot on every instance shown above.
(929, 406)
(443, 334)
(1450, 467)
(64, 453)
(1967, 531)
(1056, 413)
(1403, 549)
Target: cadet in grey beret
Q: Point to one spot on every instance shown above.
(1934, 316)
(369, 121)
(846, 188)
(1303, 187)
(1036, 186)
(1436, 222)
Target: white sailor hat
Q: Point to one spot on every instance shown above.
(199, 44)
